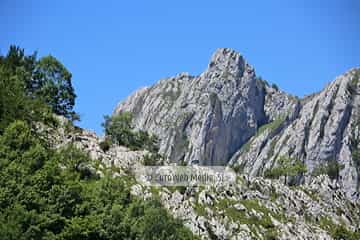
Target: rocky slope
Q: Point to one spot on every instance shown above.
(249, 208)
(324, 129)
(227, 115)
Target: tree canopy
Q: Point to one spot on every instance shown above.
(58, 194)
(119, 130)
(32, 89)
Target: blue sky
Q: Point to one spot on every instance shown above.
(114, 47)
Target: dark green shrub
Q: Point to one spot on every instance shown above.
(152, 159)
(118, 129)
(105, 145)
(331, 168)
(287, 167)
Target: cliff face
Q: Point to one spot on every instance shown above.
(207, 118)
(324, 129)
(227, 115)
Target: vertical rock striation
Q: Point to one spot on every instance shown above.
(227, 115)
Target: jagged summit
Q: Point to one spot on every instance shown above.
(206, 118)
(227, 62)
(224, 57)
(226, 115)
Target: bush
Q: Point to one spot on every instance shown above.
(105, 145)
(287, 167)
(331, 168)
(238, 168)
(118, 129)
(152, 159)
(53, 195)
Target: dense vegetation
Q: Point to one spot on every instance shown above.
(57, 194)
(119, 130)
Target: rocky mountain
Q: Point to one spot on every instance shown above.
(59, 181)
(249, 208)
(228, 115)
(325, 128)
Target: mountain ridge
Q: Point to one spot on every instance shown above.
(210, 118)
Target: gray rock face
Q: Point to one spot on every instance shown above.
(257, 208)
(227, 115)
(326, 128)
(206, 118)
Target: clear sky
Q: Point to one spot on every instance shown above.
(114, 47)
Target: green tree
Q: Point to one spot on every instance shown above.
(32, 90)
(287, 167)
(44, 195)
(56, 194)
(15, 104)
(331, 168)
(52, 83)
(119, 130)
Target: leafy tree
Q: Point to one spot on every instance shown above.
(153, 159)
(15, 104)
(119, 129)
(52, 83)
(56, 194)
(31, 89)
(44, 194)
(105, 145)
(331, 168)
(287, 167)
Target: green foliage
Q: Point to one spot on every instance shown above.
(331, 168)
(356, 157)
(31, 90)
(48, 194)
(155, 223)
(242, 217)
(271, 126)
(152, 159)
(52, 83)
(119, 130)
(105, 145)
(338, 232)
(238, 168)
(57, 194)
(287, 167)
(15, 104)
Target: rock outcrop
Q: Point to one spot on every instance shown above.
(325, 129)
(227, 115)
(257, 208)
(207, 118)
